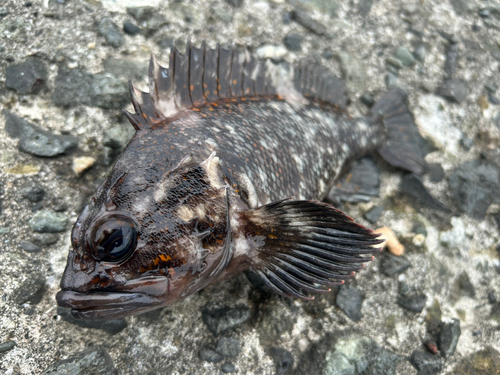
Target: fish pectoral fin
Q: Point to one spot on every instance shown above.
(307, 246)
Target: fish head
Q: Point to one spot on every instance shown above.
(146, 240)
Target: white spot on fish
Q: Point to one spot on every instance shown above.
(200, 211)
(212, 169)
(247, 184)
(212, 145)
(185, 213)
(141, 206)
(362, 126)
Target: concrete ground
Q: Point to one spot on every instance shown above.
(64, 66)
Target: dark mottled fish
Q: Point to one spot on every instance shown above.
(225, 173)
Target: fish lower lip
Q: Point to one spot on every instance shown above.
(105, 305)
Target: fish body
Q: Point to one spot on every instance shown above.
(225, 173)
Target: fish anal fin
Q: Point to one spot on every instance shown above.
(307, 246)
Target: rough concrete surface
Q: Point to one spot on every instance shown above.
(67, 63)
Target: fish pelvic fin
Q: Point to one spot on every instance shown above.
(402, 148)
(307, 246)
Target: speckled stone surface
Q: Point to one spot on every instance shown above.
(444, 52)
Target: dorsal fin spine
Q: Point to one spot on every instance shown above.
(217, 50)
(203, 53)
(189, 62)
(135, 101)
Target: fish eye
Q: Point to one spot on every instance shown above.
(114, 239)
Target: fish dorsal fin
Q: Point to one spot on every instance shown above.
(317, 82)
(204, 75)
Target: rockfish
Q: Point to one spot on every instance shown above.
(226, 172)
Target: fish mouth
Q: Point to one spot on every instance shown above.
(140, 297)
(105, 305)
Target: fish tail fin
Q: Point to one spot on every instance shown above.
(302, 247)
(402, 148)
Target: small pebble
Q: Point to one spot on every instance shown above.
(130, 28)
(110, 32)
(364, 7)
(405, 56)
(367, 99)
(492, 298)
(4, 230)
(484, 13)
(31, 289)
(395, 62)
(6, 346)
(209, 355)
(94, 360)
(427, 86)
(436, 172)
(81, 164)
(491, 87)
(28, 77)
(414, 303)
(391, 241)
(418, 240)
(32, 192)
(220, 320)
(391, 264)
(391, 80)
(45, 221)
(492, 99)
(293, 42)
(374, 214)
(35, 140)
(403, 287)
(227, 368)
(448, 337)
(463, 187)
(235, 3)
(420, 52)
(433, 317)
(426, 363)
(45, 238)
(466, 142)
(306, 21)
(450, 65)
(454, 90)
(30, 247)
(350, 300)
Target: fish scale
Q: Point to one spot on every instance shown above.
(225, 173)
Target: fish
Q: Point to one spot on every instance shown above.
(227, 171)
